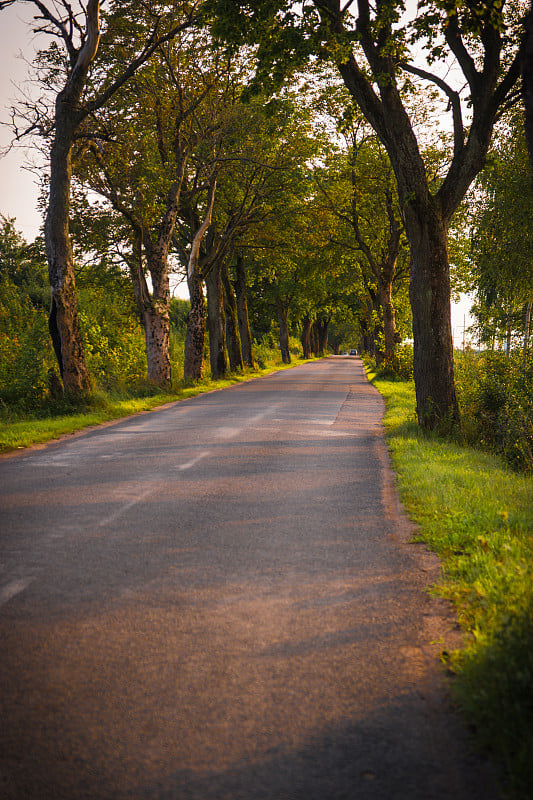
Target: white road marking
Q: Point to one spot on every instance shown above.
(112, 517)
(13, 588)
(193, 461)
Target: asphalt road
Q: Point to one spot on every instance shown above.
(218, 600)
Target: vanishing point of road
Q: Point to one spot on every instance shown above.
(218, 600)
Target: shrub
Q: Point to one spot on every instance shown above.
(26, 353)
(495, 395)
(401, 366)
(266, 353)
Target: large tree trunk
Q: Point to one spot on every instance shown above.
(216, 323)
(63, 320)
(232, 324)
(156, 317)
(193, 367)
(429, 293)
(283, 322)
(242, 313)
(306, 336)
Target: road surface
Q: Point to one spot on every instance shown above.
(218, 601)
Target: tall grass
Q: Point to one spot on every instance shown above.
(477, 515)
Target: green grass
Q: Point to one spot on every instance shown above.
(478, 516)
(99, 408)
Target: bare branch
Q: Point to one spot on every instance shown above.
(453, 96)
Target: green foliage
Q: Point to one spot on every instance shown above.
(502, 236)
(266, 352)
(25, 351)
(495, 396)
(398, 368)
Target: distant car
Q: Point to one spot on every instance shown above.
(353, 352)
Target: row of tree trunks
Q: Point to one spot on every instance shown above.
(319, 335)
(233, 338)
(226, 317)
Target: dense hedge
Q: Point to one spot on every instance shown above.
(495, 395)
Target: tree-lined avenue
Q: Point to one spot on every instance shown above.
(219, 600)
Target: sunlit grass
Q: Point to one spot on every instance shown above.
(478, 516)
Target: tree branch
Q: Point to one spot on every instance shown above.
(153, 43)
(453, 97)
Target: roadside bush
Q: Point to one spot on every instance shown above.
(26, 353)
(400, 367)
(113, 340)
(266, 352)
(495, 395)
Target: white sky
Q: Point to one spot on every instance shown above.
(18, 186)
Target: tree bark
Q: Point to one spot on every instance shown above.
(193, 368)
(306, 336)
(232, 324)
(196, 319)
(63, 319)
(216, 323)
(242, 313)
(283, 322)
(156, 317)
(321, 326)
(429, 294)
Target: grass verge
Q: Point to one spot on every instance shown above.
(478, 516)
(99, 408)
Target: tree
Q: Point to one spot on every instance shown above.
(358, 186)
(502, 241)
(76, 98)
(137, 153)
(258, 169)
(370, 46)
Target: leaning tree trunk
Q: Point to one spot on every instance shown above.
(216, 323)
(429, 293)
(283, 321)
(232, 324)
